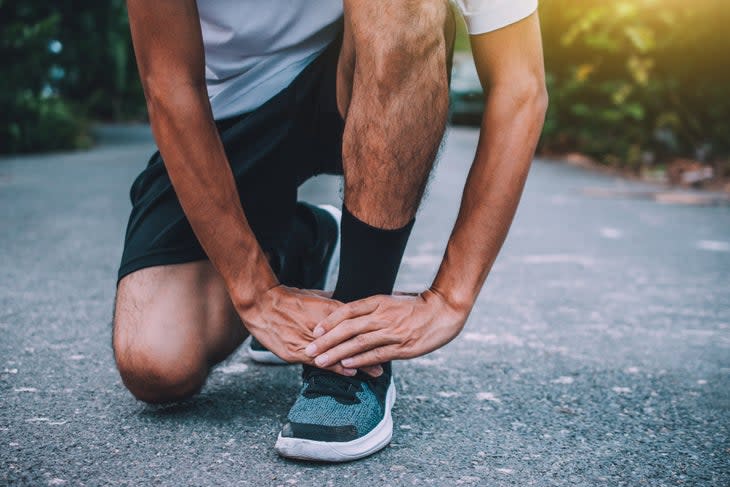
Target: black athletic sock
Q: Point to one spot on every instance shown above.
(369, 258)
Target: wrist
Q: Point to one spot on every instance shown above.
(459, 302)
(249, 283)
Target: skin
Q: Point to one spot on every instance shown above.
(398, 105)
(394, 104)
(381, 328)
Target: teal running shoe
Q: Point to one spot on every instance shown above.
(338, 418)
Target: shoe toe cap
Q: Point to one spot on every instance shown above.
(319, 432)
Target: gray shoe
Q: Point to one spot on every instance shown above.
(338, 418)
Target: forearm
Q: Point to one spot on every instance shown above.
(510, 130)
(204, 183)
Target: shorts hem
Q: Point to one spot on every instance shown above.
(158, 259)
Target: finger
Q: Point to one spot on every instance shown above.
(344, 331)
(346, 312)
(336, 368)
(339, 369)
(373, 371)
(372, 357)
(355, 346)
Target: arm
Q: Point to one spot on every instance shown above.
(169, 49)
(381, 328)
(510, 64)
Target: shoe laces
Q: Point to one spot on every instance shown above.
(325, 383)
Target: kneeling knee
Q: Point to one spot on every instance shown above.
(157, 378)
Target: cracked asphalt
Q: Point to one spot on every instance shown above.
(598, 352)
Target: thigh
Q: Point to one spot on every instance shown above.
(175, 314)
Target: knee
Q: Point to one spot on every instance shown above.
(157, 373)
(400, 36)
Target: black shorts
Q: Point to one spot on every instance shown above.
(274, 149)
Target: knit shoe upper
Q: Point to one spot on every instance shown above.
(335, 408)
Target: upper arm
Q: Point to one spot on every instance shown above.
(168, 43)
(511, 56)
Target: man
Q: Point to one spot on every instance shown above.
(247, 100)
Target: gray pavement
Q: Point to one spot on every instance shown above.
(597, 354)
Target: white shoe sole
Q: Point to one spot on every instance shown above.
(333, 269)
(328, 451)
(263, 356)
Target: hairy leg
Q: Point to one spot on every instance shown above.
(171, 324)
(393, 91)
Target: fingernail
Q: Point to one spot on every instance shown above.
(347, 362)
(321, 360)
(311, 350)
(349, 372)
(318, 332)
(378, 371)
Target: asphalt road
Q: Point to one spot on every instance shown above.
(597, 354)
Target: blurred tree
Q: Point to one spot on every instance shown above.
(64, 62)
(32, 115)
(637, 81)
(97, 56)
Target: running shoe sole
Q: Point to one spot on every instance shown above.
(327, 451)
(263, 356)
(333, 269)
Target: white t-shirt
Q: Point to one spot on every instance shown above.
(253, 52)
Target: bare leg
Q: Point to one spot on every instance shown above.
(393, 88)
(171, 324)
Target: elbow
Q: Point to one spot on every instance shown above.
(166, 95)
(529, 97)
(541, 102)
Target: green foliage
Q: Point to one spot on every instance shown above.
(100, 70)
(63, 62)
(46, 122)
(636, 81)
(29, 114)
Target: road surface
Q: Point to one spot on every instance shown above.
(597, 354)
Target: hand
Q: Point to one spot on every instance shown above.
(382, 328)
(283, 319)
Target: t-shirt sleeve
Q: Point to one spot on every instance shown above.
(483, 16)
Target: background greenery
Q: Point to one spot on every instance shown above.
(638, 82)
(632, 82)
(64, 62)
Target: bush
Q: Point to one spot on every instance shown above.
(32, 117)
(64, 62)
(637, 81)
(42, 123)
(100, 73)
